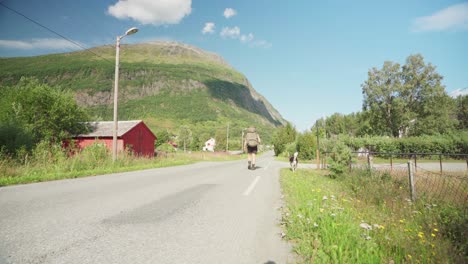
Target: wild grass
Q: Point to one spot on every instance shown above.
(52, 163)
(368, 218)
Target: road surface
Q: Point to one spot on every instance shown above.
(211, 212)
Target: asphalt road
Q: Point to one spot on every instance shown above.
(212, 212)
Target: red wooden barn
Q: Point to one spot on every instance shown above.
(130, 134)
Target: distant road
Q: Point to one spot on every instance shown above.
(213, 212)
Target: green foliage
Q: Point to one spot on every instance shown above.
(283, 136)
(410, 98)
(366, 218)
(453, 220)
(456, 143)
(197, 144)
(14, 137)
(462, 111)
(163, 137)
(221, 139)
(184, 137)
(40, 111)
(289, 149)
(166, 147)
(340, 159)
(306, 145)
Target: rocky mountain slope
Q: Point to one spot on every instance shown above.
(167, 84)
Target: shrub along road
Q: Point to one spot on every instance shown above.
(212, 212)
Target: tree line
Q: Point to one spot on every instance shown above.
(406, 100)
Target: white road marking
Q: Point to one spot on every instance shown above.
(252, 186)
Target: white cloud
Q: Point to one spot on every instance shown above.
(229, 12)
(454, 17)
(228, 32)
(458, 92)
(246, 38)
(155, 12)
(48, 43)
(209, 28)
(235, 33)
(261, 44)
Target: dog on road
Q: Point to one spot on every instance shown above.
(293, 161)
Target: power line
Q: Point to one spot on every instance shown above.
(53, 31)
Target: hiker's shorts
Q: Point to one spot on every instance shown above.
(252, 149)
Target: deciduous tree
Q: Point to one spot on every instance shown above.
(43, 112)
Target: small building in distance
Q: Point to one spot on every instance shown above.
(210, 145)
(133, 135)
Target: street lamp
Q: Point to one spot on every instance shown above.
(132, 30)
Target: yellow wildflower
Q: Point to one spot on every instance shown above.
(433, 235)
(436, 230)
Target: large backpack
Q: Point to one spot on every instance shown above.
(251, 138)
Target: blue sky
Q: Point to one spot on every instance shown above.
(308, 58)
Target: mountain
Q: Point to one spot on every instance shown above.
(166, 84)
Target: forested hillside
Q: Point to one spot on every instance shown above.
(168, 85)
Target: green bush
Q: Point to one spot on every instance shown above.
(166, 148)
(449, 144)
(306, 145)
(340, 159)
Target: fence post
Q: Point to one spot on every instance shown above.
(350, 163)
(440, 161)
(391, 163)
(411, 181)
(415, 163)
(369, 160)
(325, 161)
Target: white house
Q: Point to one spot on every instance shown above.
(210, 145)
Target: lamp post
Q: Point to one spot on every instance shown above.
(132, 30)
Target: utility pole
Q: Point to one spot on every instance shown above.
(227, 138)
(318, 145)
(242, 142)
(131, 31)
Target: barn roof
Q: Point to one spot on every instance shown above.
(106, 128)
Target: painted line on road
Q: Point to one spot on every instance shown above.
(252, 186)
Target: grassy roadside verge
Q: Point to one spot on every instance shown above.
(91, 163)
(367, 219)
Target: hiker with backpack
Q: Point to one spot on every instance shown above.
(252, 140)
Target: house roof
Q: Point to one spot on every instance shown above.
(106, 128)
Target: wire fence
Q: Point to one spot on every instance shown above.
(429, 176)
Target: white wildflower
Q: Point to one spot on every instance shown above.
(365, 226)
(325, 198)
